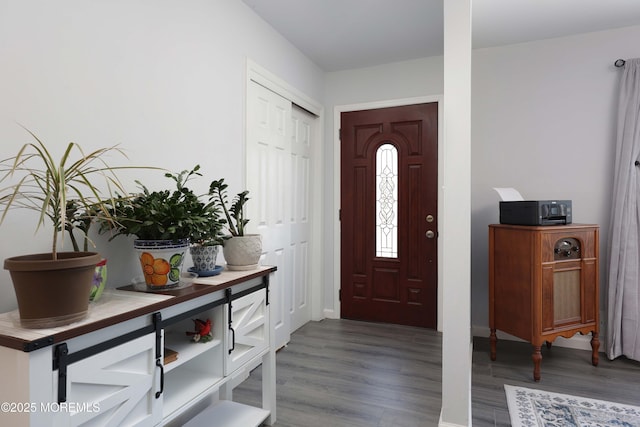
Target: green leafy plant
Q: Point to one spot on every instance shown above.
(234, 214)
(168, 214)
(80, 218)
(46, 185)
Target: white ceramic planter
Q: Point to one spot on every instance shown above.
(243, 252)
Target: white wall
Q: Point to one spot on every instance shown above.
(543, 121)
(164, 78)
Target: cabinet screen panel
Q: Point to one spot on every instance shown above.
(566, 296)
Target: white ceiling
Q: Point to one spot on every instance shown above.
(345, 34)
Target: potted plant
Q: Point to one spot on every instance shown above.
(241, 251)
(205, 241)
(162, 222)
(80, 218)
(52, 289)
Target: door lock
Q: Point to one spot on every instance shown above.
(430, 234)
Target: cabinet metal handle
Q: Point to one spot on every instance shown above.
(233, 339)
(62, 354)
(159, 365)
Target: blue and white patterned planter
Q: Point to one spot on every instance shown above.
(204, 257)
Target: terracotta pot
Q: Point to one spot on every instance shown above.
(50, 292)
(243, 252)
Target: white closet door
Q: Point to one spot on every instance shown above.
(269, 185)
(302, 140)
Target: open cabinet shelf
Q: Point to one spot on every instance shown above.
(184, 385)
(199, 367)
(186, 350)
(229, 414)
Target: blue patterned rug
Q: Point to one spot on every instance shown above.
(537, 408)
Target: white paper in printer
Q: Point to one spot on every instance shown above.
(509, 194)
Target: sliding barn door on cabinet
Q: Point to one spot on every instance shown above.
(113, 388)
(249, 326)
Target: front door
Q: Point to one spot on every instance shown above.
(388, 214)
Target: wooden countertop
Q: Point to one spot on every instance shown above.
(544, 227)
(118, 305)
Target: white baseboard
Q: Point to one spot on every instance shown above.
(330, 314)
(579, 342)
(444, 424)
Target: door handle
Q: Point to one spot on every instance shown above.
(160, 365)
(233, 339)
(430, 234)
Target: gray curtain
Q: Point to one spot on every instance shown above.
(623, 326)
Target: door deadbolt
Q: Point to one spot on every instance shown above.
(429, 218)
(430, 234)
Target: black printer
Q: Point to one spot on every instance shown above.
(535, 212)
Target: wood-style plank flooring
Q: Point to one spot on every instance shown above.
(344, 373)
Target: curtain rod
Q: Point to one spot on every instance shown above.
(619, 63)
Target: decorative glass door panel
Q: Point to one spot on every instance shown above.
(387, 201)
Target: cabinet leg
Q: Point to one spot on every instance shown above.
(269, 385)
(226, 392)
(493, 339)
(537, 358)
(595, 346)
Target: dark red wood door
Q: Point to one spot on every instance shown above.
(389, 174)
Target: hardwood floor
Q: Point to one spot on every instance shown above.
(343, 373)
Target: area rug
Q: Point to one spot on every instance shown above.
(538, 408)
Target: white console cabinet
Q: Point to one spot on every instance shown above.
(109, 370)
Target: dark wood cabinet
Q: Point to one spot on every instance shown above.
(543, 284)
